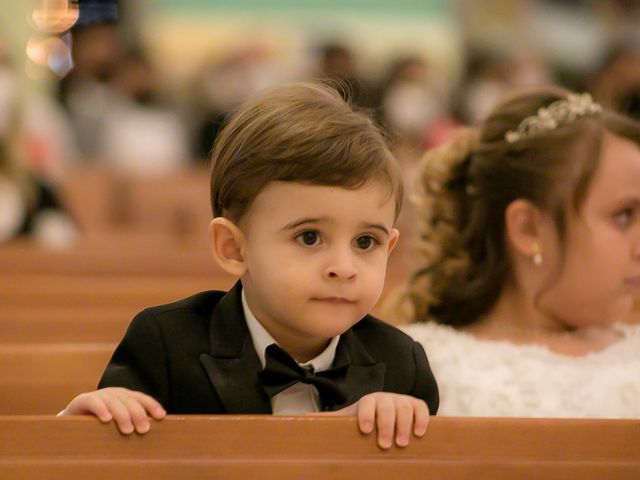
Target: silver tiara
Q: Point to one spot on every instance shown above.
(557, 113)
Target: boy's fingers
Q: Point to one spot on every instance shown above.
(89, 403)
(96, 405)
(151, 405)
(366, 409)
(137, 413)
(385, 421)
(421, 417)
(120, 413)
(127, 408)
(404, 420)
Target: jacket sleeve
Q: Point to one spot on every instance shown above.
(425, 386)
(140, 360)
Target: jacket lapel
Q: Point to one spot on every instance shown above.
(364, 374)
(233, 364)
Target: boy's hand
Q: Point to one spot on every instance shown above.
(128, 408)
(389, 412)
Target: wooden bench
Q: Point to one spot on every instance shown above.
(100, 257)
(101, 200)
(43, 378)
(64, 324)
(102, 290)
(314, 448)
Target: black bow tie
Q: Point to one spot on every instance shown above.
(281, 372)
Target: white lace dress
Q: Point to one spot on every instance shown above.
(497, 378)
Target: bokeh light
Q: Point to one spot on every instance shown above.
(55, 16)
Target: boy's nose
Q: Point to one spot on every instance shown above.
(341, 267)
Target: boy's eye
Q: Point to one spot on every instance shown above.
(366, 242)
(308, 238)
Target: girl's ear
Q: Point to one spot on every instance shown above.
(524, 228)
(227, 245)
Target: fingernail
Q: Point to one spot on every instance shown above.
(366, 427)
(144, 428)
(402, 440)
(385, 443)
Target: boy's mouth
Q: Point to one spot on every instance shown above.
(336, 300)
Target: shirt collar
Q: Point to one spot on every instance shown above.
(262, 339)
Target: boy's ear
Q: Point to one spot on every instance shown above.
(524, 224)
(227, 245)
(393, 240)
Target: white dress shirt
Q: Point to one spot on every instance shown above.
(299, 398)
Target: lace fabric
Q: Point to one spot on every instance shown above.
(498, 378)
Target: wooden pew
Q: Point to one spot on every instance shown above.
(314, 448)
(43, 378)
(102, 290)
(101, 200)
(100, 257)
(84, 308)
(64, 324)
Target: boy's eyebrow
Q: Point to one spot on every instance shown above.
(303, 221)
(377, 226)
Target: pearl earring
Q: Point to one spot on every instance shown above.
(537, 254)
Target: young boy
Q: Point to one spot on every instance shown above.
(304, 194)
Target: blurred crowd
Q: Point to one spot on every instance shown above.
(111, 108)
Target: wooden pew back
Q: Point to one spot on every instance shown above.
(64, 323)
(102, 200)
(43, 378)
(314, 447)
(110, 255)
(102, 290)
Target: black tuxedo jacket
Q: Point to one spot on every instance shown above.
(196, 356)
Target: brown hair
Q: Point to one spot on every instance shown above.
(468, 185)
(301, 132)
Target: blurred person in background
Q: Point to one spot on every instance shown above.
(224, 84)
(338, 64)
(412, 98)
(141, 134)
(617, 83)
(87, 92)
(490, 76)
(46, 138)
(32, 157)
(29, 206)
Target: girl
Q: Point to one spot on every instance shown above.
(531, 250)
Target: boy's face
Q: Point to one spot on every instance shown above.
(315, 259)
